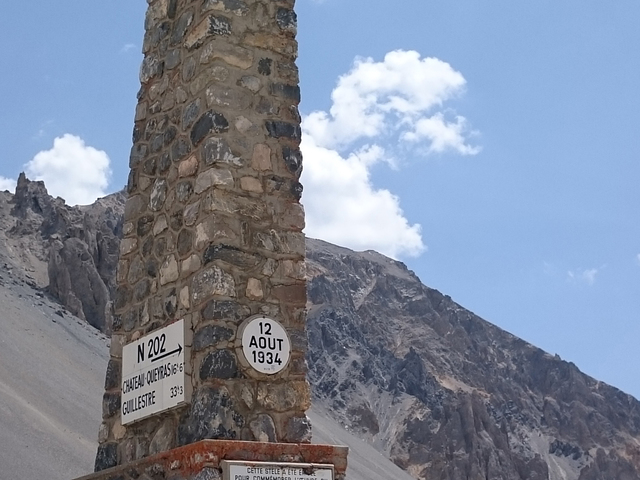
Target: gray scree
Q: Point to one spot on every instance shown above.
(213, 224)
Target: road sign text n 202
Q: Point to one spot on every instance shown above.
(153, 373)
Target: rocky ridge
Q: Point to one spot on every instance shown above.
(446, 394)
(70, 251)
(438, 390)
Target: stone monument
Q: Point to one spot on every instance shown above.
(207, 376)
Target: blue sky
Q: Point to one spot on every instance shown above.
(494, 147)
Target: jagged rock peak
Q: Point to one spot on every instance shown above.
(75, 248)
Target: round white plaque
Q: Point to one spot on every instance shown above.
(266, 345)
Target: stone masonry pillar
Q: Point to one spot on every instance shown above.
(213, 224)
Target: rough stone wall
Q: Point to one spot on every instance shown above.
(213, 224)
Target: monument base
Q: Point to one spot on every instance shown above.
(209, 460)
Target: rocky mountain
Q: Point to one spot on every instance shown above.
(73, 251)
(447, 395)
(442, 393)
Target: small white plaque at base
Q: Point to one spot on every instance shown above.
(241, 470)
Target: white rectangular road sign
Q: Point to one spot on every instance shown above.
(240, 470)
(153, 373)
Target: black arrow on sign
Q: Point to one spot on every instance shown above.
(168, 354)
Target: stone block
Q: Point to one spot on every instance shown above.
(128, 245)
(232, 55)
(219, 364)
(211, 281)
(263, 428)
(251, 184)
(228, 98)
(237, 7)
(191, 265)
(217, 150)
(298, 430)
(231, 255)
(254, 289)
(169, 272)
(210, 122)
(188, 167)
(212, 415)
(261, 158)
(211, 336)
(214, 230)
(213, 177)
(283, 397)
(160, 224)
(225, 310)
(158, 195)
(106, 457)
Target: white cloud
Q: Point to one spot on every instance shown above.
(72, 170)
(343, 207)
(587, 276)
(7, 184)
(378, 109)
(392, 99)
(442, 135)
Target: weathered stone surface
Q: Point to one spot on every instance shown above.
(158, 195)
(227, 97)
(254, 289)
(219, 364)
(164, 439)
(188, 167)
(278, 129)
(251, 184)
(230, 254)
(169, 271)
(298, 430)
(211, 281)
(210, 336)
(261, 159)
(210, 122)
(191, 264)
(107, 456)
(263, 428)
(234, 56)
(208, 474)
(212, 415)
(284, 396)
(112, 378)
(213, 229)
(190, 214)
(184, 190)
(110, 404)
(219, 73)
(227, 310)
(291, 92)
(293, 160)
(287, 19)
(211, 177)
(291, 294)
(250, 82)
(217, 150)
(211, 26)
(237, 7)
(264, 66)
